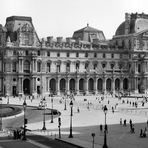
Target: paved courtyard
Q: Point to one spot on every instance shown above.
(89, 118)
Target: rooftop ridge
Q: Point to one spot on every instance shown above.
(23, 18)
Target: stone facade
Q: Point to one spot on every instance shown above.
(86, 63)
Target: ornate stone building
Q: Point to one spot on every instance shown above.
(85, 63)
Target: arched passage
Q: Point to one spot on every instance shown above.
(91, 85)
(26, 86)
(52, 85)
(81, 85)
(62, 85)
(72, 85)
(125, 84)
(108, 84)
(100, 85)
(117, 84)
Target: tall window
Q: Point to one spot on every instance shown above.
(26, 52)
(38, 66)
(86, 65)
(68, 67)
(48, 53)
(139, 68)
(86, 54)
(39, 53)
(77, 54)
(48, 67)
(104, 56)
(95, 66)
(14, 67)
(26, 67)
(112, 55)
(77, 66)
(58, 54)
(67, 54)
(58, 68)
(95, 55)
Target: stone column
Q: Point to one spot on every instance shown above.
(95, 86)
(104, 85)
(58, 86)
(20, 86)
(67, 86)
(86, 86)
(136, 85)
(113, 85)
(77, 86)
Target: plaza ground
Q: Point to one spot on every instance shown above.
(87, 121)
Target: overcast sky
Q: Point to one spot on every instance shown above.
(63, 17)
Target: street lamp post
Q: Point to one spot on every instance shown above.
(65, 108)
(105, 128)
(71, 114)
(1, 115)
(44, 103)
(59, 120)
(25, 120)
(52, 109)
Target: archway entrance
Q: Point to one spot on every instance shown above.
(52, 85)
(117, 84)
(100, 85)
(108, 85)
(81, 85)
(72, 85)
(62, 85)
(26, 86)
(91, 85)
(14, 90)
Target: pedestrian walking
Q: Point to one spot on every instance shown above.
(124, 122)
(78, 110)
(120, 121)
(141, 133)
(112, 109)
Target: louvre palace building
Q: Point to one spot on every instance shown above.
(86, 63)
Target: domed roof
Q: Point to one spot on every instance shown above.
(135, 23)
(88, 34)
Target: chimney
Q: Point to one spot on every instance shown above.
(49, 39)
(127, 23)
(68, 40)
(59, 39)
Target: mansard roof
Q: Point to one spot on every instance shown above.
(133, 23)
(89, 34)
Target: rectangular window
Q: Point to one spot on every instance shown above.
(86, 54)
(58, 54)
(77, 54)
(112, 55)
(39, 53)
(48, 54)
(104, 56)
(48, 67)
(95, 55)
(68, 54)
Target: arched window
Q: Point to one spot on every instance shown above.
(26, 67)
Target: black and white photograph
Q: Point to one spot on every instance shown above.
(73, 74)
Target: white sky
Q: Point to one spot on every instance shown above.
(63, 17)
